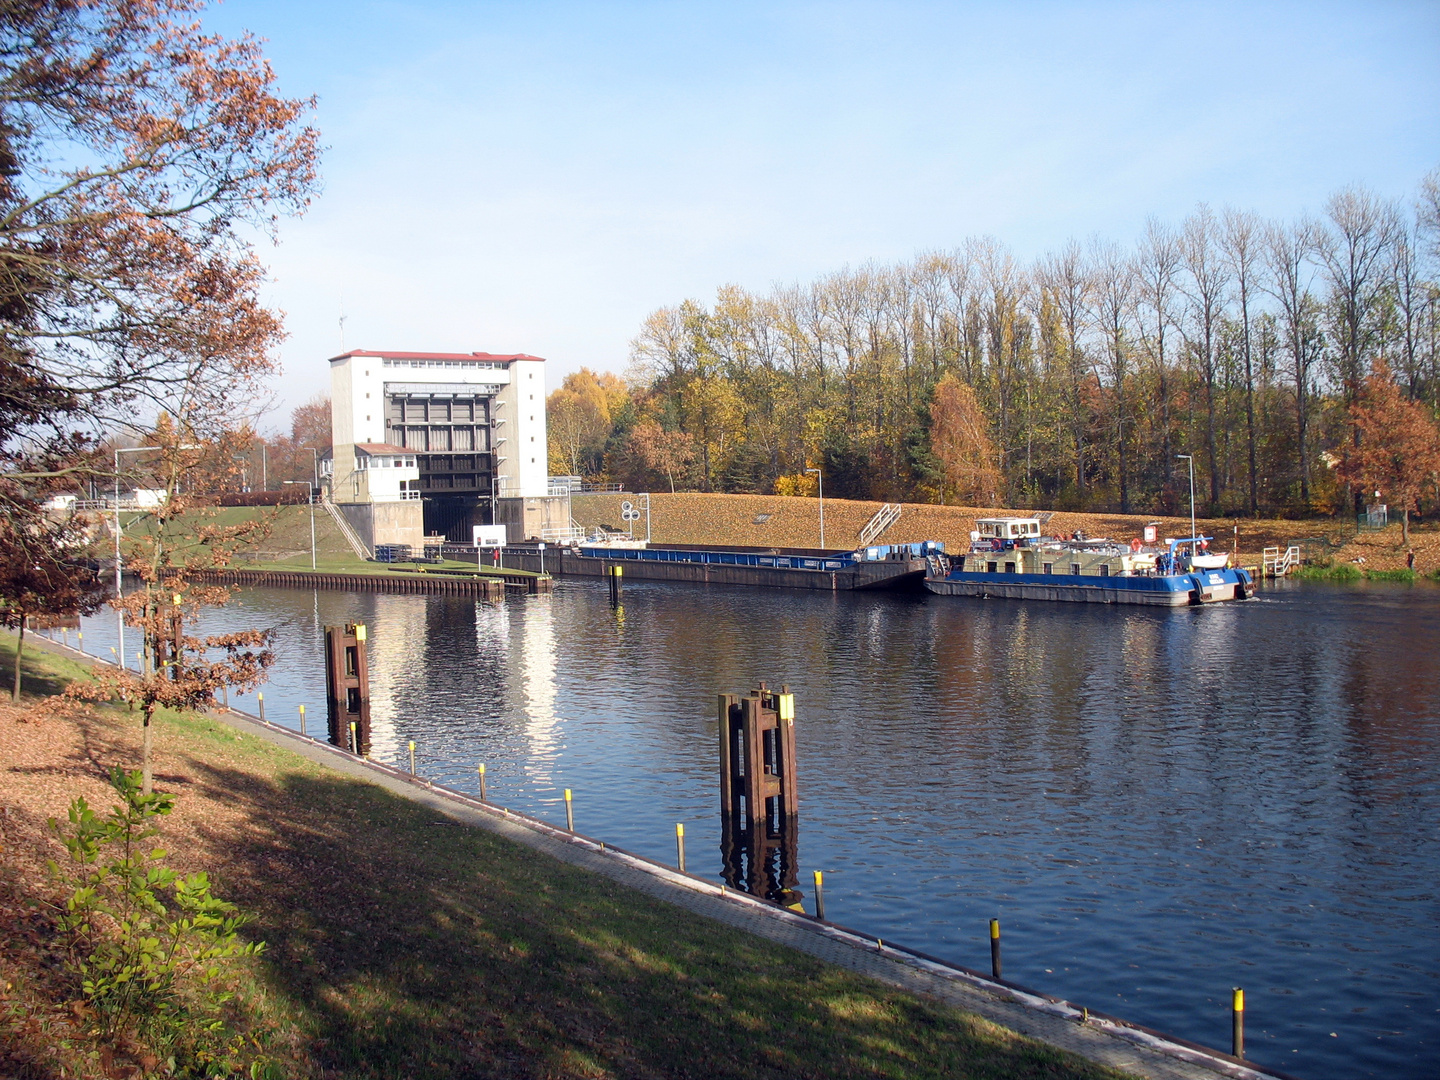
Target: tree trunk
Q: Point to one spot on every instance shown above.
(147, 773)
(1404, 533)
(20, 648)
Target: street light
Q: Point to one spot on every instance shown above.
(1191, 459)
(310, 498)
(820, 478)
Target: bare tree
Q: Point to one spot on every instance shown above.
(1064, 276)
(1157, 264)
(1288, 251)
(1240, 241)
(1113, 297)
(1205, 283)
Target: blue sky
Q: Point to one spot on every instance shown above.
(537, 177)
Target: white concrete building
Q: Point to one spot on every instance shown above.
(466, 430)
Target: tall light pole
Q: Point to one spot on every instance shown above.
(310, 498)
(1190, 458)
(820, 478)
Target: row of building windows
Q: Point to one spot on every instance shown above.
(993, 567)
(488, 364)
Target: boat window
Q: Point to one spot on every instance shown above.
(1104, 569)
(1049, 568)
(1074, 568)
(1009, 568)
(990, 567)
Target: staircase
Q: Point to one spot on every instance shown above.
(886, 516)
(346, 529)
(1275, 564)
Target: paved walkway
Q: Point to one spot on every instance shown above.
(1108, 1042)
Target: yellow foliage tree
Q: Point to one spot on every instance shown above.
(960, 439)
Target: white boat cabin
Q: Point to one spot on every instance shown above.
(1007, 528)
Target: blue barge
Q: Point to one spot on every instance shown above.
(1009, 558)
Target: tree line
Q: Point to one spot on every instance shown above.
(1090, 378)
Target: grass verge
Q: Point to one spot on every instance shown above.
(400, 944)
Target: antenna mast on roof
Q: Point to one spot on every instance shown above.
(342, 322)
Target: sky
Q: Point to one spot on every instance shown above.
(538, 176)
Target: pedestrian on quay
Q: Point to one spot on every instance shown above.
(1410, 559)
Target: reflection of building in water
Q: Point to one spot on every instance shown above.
(397, 659)
(533, 664)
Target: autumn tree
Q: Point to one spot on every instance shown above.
(137, 156)
(42, 573)
(1398, 449)
(960, 440)
(668, 452)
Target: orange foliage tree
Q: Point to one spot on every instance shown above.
(960, 439)
(1398, 450)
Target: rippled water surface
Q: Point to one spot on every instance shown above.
(1158, 805)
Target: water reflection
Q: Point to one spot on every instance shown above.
(1158, 804)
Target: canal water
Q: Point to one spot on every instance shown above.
(1158, 805)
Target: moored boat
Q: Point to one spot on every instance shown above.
(1009, 558)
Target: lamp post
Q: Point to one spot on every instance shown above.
(820, 479)
(1190, 458)
(310, 498)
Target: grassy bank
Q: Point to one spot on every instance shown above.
(1351, 572)
(400, 944)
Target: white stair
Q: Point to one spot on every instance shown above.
(886, 516)
(346, 529)
(1276, 564)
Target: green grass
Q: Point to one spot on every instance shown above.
(1338, 572)
(1350, 572)
(1402, 574)
(402, 945)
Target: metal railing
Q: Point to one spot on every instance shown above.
(1275, 563)
(562, 534)
(886, 516)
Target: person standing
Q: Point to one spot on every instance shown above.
(1410, 559)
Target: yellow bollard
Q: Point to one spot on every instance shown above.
(569, 812)
(1237, 1023)
(995, 947)
(260, 697)
(302, 719)
(819, 896)
(482, 781)
(354, 739)
(412, 757)
(680, 845)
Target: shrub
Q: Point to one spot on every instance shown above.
(145, 944)
(1391, 575)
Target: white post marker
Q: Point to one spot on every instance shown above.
(540, 547)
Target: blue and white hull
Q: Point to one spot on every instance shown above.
(1169, 590)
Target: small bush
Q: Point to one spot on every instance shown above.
(1391, 575)
(1337, 572)
(145, 944)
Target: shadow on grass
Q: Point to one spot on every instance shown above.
(405, 946)
(38, 674)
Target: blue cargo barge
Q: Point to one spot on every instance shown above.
(1009, 558)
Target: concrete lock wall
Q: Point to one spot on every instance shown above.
(386, 522)
(527, 518)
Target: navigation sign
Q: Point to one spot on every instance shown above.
(629, 513)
